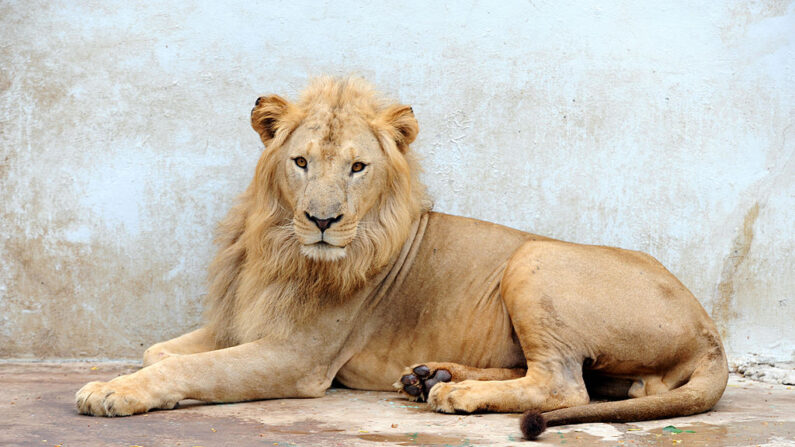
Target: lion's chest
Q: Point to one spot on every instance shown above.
(446, 309)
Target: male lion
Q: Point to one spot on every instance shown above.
(331, 265)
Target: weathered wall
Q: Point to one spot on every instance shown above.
(659, 126)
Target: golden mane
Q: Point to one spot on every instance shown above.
(259, 282)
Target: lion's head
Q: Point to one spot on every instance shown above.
(337, 161)
(332, 201)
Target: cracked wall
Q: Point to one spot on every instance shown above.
(124, 137)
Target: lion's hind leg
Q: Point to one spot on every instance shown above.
(544, 387)
(418, 380)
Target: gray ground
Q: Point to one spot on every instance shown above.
(36, 409)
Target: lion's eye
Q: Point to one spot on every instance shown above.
(300, 162)
(358, 166)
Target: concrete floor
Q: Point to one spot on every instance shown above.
(37, 409)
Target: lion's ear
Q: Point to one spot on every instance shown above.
(400, 124)
(268, 115)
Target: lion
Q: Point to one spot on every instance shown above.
(331, 265)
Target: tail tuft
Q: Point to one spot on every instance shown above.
(532, 425)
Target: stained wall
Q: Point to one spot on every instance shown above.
(659, 126)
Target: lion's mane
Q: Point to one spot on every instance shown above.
(260, 285)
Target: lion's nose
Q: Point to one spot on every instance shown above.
(323, 224)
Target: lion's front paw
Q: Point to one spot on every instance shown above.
(116, 398)
(452, 398)
(418, 380)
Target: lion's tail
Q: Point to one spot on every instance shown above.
(699, 394)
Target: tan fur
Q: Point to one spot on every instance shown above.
(324, 271)
(257, 249)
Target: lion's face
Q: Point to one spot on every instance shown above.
(331, 184)
(336, 165)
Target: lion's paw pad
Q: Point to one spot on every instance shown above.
(418, 383)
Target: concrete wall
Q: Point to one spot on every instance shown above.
(124, 136)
